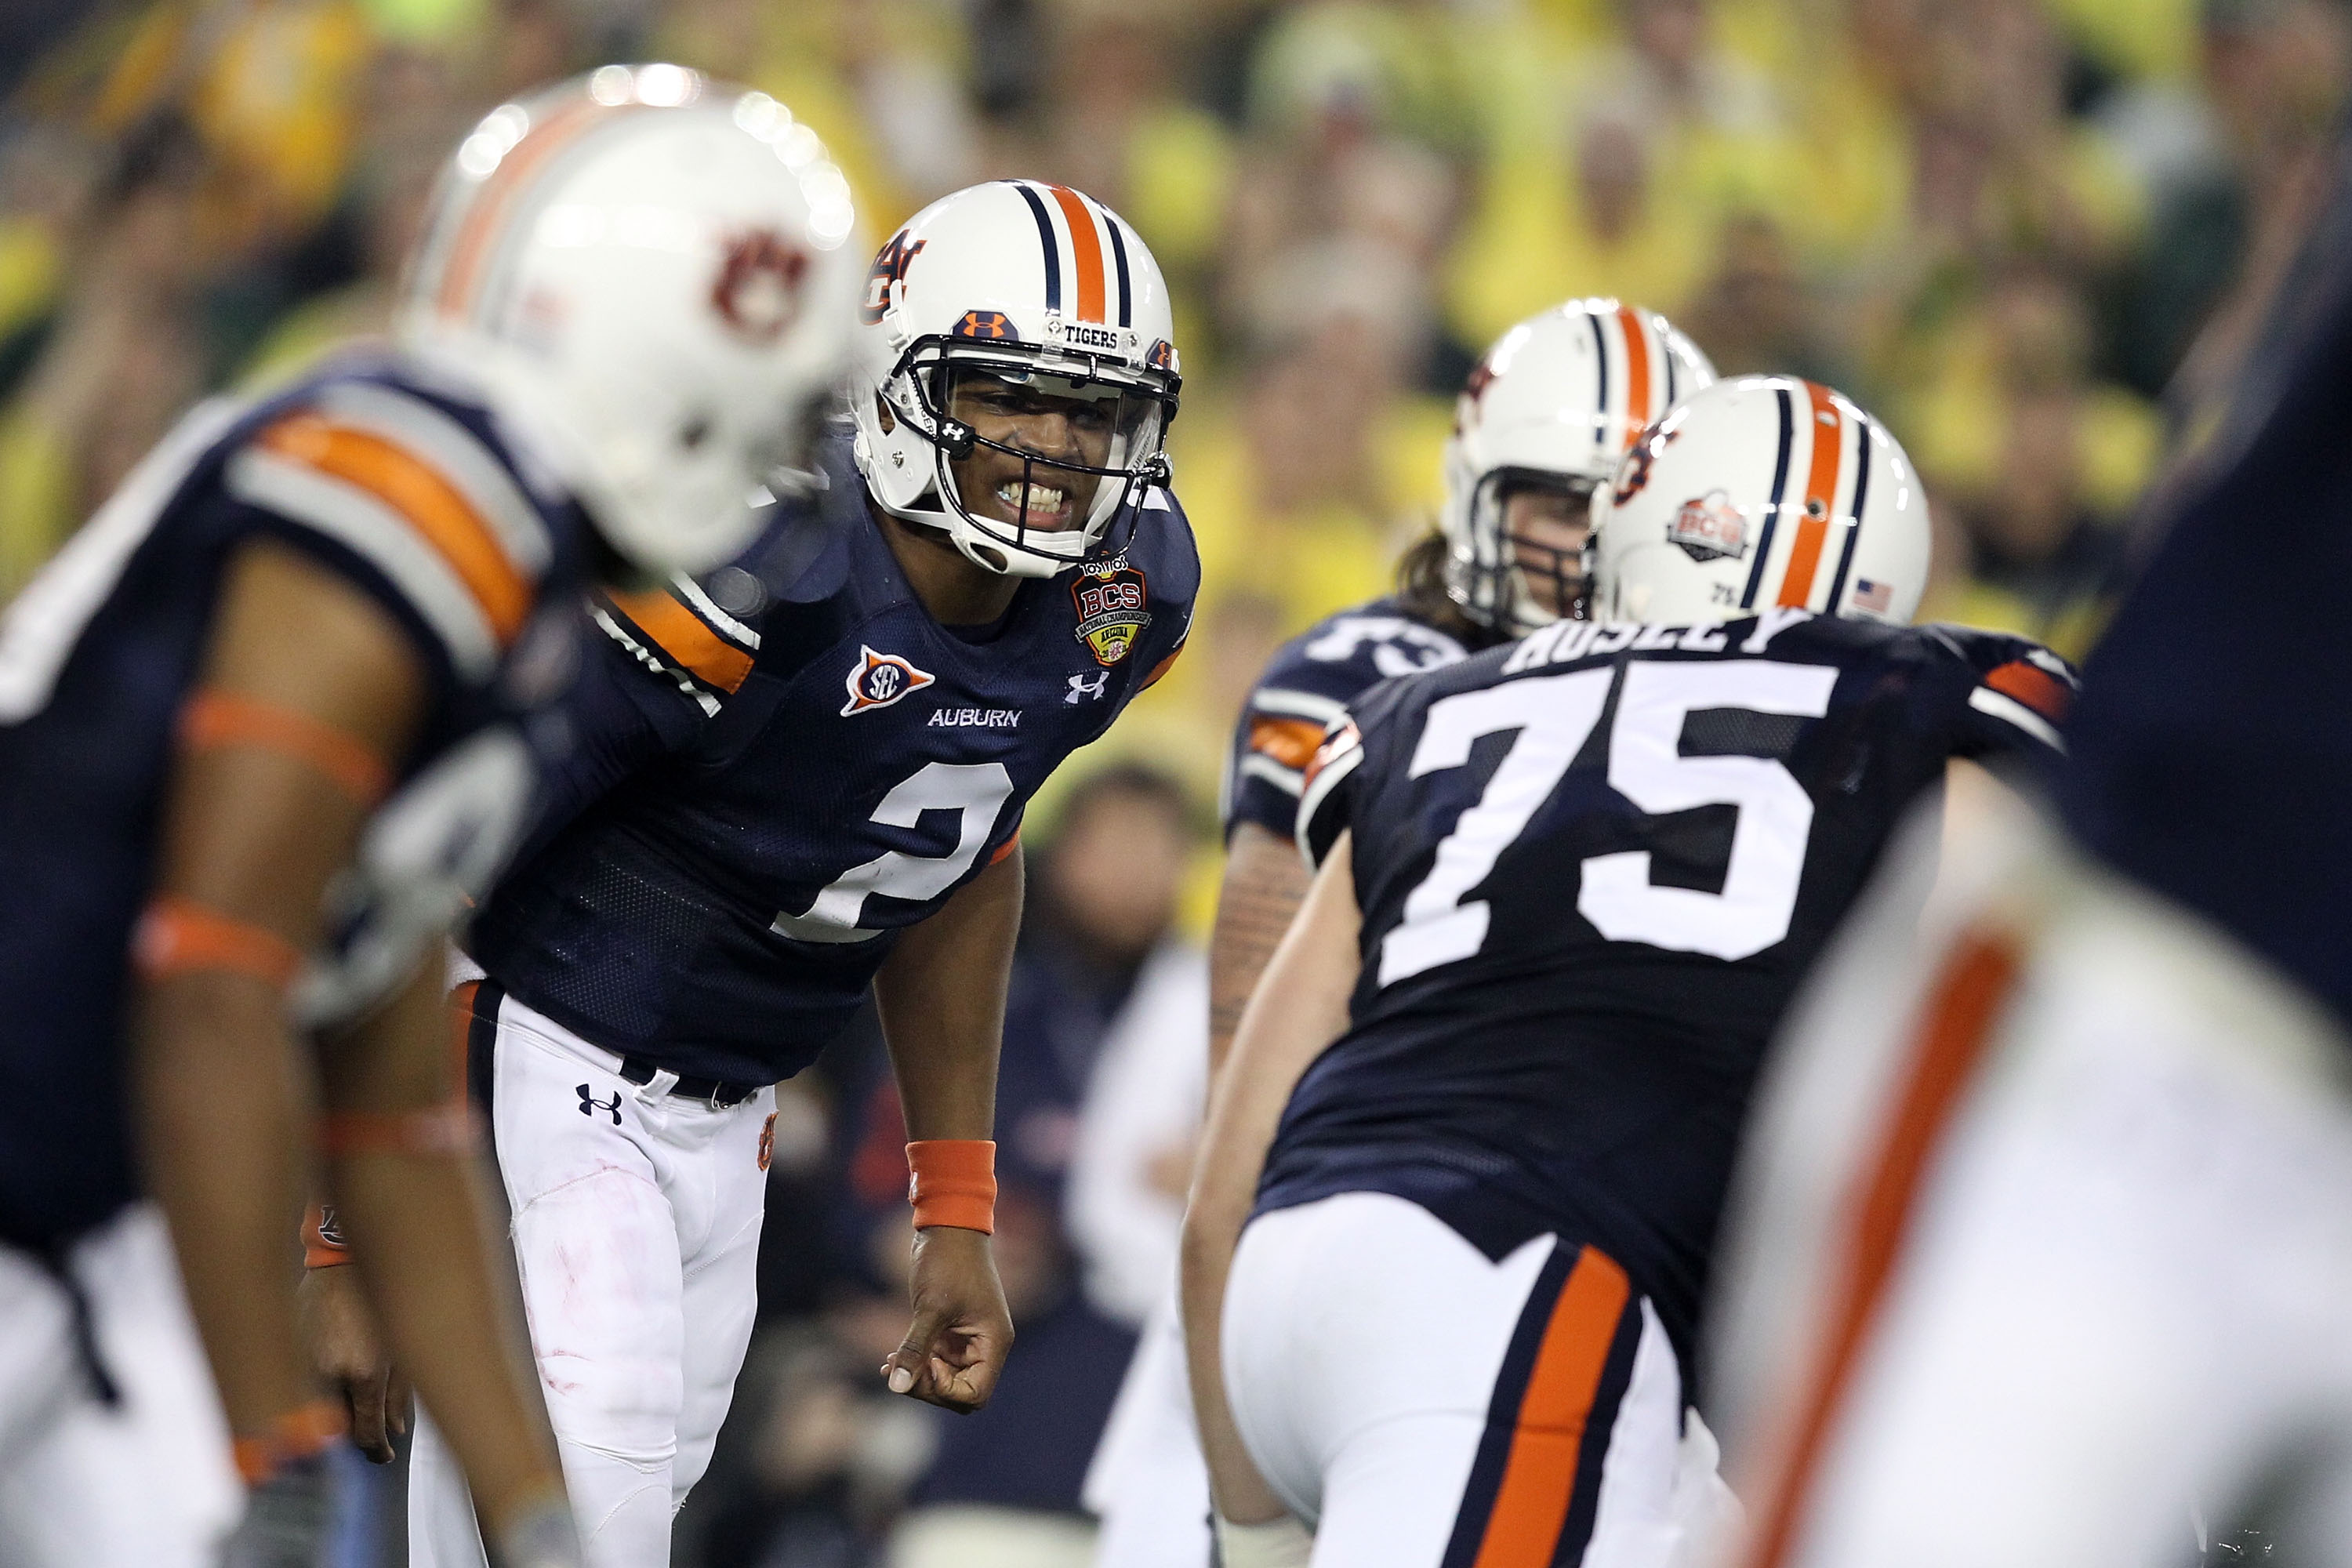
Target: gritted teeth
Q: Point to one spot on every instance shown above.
(1041, 498)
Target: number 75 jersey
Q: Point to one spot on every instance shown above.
(1593, 867)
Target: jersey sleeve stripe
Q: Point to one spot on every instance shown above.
(1161, 668)
(363, 523)
(613, 627)
(1317, 789)
(1289, 781)
(717, 619)
(1289, 741)
(684, 639)
(1301, 704)
(456, 454)
(415, 491)
(2037, 688)
(1986, 700)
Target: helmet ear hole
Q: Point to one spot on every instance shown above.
(693, 431)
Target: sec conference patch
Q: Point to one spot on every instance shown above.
(878, 680)
(1110, 600)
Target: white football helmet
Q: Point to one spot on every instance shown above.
(1758, 491)
(1555, 403)
(652, 275)
(1033, 285)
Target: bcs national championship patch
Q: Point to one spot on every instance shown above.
(1110, 600)
(1709, 527)
(879, 679)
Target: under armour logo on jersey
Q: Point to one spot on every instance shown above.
(590, 1105)
(879, 679)
(1087, 686)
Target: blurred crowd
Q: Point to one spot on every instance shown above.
(2023, 232)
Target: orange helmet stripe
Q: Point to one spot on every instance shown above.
(1086, 251)
(1820, 498)
(1637, 376)
(476, 235)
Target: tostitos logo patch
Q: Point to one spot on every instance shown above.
(1709, 528)
(879, 679)
(1110, 600)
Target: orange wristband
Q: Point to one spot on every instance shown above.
(323, 1241)
(954, 1184)
(180, 936)
(295, 1436)
(446, 1128)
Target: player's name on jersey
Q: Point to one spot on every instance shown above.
(1565, 640)
(977, 718)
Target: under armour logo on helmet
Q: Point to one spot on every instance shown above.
(1087, 686)
(590, 1105)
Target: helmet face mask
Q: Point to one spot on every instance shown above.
(1547, 413)
(1032, 458)
(1015, 376)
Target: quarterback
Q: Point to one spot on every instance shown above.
(800, 779)
(264, 724)
(1452, 1220)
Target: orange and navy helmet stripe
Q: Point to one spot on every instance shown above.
(1637, 374)
(1534, 1488)
(1091, 280)
(1827, 439)
(1853, 509)
(1772, 508)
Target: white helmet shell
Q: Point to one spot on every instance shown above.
(652, 275)
(1762, 490)
(1020, 279)
(1560, 396)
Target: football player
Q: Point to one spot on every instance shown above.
(261, 729)
(1482, 1106)
(1540, 422)
(802, 780)
(2043, 1232)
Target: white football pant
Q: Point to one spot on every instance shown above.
(1417, 1405)
(636, 1228)
(2045, 1238)
(147, 1483)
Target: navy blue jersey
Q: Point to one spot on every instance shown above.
(1306, 683)
(405, 489)
(769, 794)
(1593, 867)
(2211, 748)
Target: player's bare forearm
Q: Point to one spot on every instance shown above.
(251, 837)
(1265, 880)
(1299, 1007)
(941, 1000)
(428, 1253)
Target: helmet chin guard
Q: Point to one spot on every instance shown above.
(1044, 295)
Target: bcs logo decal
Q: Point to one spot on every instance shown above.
(1110, 600)
(758, 291)
(889, 267)
(989, 326)
(1709, 528)
(881, 679)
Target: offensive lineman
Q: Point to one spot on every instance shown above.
(1538, 426)
(1566, 888)
(805, 777)
(261, 727)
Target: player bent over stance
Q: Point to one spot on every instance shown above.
(1482, 1107)
(805, 777)
(1541, 424)
(261, 732)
